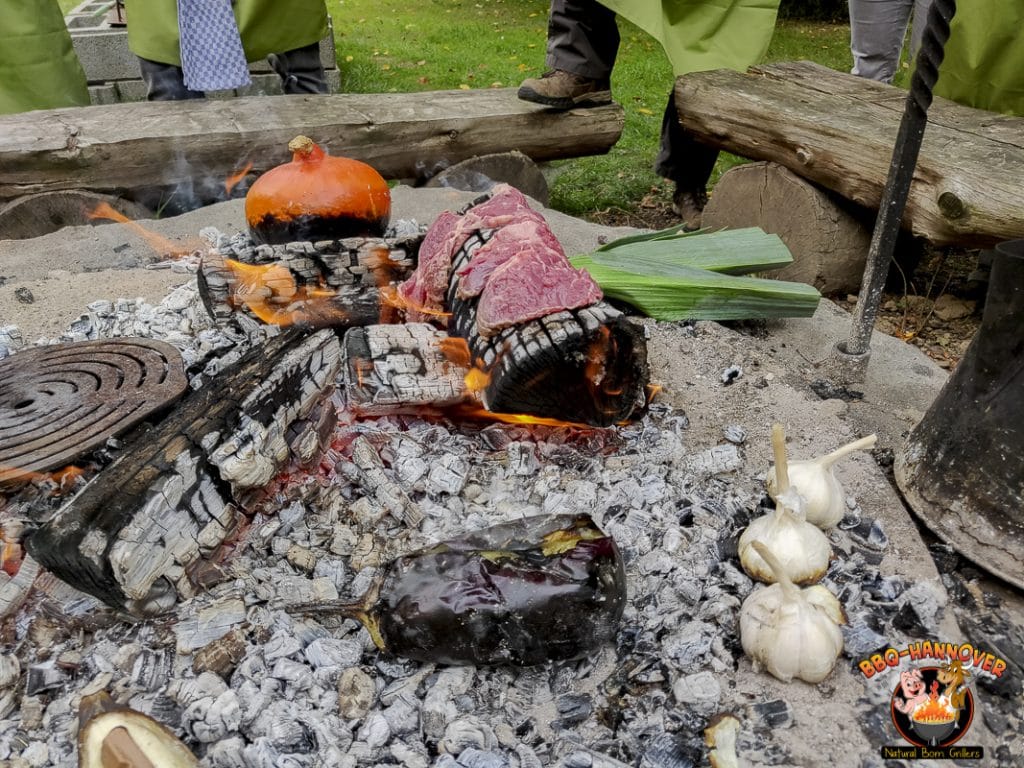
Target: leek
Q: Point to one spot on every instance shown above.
(671, 275)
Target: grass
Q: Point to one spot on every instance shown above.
(392, 46)
(386, 45)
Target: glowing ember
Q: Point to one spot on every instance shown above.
(10, 556)
(470, 412)
(158, 243)
(63, 480)
(232, 181)
(934, 711)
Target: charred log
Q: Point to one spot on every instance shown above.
(390, 368)
(585, 365)
(330, 283)
(173, 496)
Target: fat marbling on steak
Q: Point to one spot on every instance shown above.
(424, 292)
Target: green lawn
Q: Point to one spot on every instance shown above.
(392, 46)
(385, 45)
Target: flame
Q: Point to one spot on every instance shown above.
(477, 380)
(271, 293)
(64, 479)
(390, 297)
(474, 412)
(157, 242)
(456, 351)
(653, 390)
(232, 181)
(934, 711)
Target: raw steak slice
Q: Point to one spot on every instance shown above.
(506, 205)
(529, 286)
(506, 243)
(424, 291)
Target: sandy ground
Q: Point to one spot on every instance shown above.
(67, 270)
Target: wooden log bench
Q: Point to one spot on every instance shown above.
(124, 149)
(838, 131)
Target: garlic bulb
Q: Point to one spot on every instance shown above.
(815, 480)
(791, 632)
(801, 548)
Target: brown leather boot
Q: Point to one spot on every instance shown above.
(565, 90)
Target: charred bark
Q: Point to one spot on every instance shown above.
(330, 283)
(585, 365)
(173, 495)
(391, 368)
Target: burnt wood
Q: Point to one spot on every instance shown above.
(585, 365)
(170, 498)
(330, 283)
(838, 131)
(139, 146)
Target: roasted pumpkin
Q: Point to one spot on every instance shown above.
(317, 197)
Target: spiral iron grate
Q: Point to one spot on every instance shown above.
(59, 402)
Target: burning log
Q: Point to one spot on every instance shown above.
(326, 283)
(586, 365)
(388, 368)
(177, 491)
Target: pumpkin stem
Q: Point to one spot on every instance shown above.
(304, 148)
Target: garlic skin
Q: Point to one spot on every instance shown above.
(816, 482)
(791, 632)
(802, 550)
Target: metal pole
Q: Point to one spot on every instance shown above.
(852, 355)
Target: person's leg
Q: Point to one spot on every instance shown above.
(300, 70)
(687, 162)
(877, 30)
(165, 82)
(921, 8)
(583, 41)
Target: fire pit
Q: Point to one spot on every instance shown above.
(246, 683)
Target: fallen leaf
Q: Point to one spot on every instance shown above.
(423, 80)
(349, 58)
(463, 87)
(421, 62)
(644, 111)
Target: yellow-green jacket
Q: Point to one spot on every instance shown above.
(984, 57)
(266, 26)
(38, 66)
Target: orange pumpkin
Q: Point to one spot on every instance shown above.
(317, 197)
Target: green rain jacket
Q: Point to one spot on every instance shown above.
(984, 58)
(38, 66)
(266, 26)
(698, 35)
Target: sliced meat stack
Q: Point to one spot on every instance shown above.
(535, 325)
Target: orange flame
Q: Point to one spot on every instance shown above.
(64, 478)
(232, 181)
(157, 242)
(271, 293)
(934, 711)
(477, 380)
(653, 390)
(456, 351)
(10, 556)
(389, 296)
(473, 412)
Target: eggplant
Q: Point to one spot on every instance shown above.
(546, 588)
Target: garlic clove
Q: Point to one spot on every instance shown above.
(803, 550)
(815, 480)
(720, 737)
(791, 632)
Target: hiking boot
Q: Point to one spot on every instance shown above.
(564, 90)
(689, 204)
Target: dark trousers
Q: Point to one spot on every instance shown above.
(583, 38)
(300, 71)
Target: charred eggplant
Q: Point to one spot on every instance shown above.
(540, 589)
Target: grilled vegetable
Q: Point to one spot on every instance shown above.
(540, 589)
(317, 197)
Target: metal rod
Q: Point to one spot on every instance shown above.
(901, 172)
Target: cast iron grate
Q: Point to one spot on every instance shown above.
(59, 402)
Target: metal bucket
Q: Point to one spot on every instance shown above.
(961, 469)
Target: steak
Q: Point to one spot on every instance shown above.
(424, 291)
(506, 205)
(507, 243)
(529, 286)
